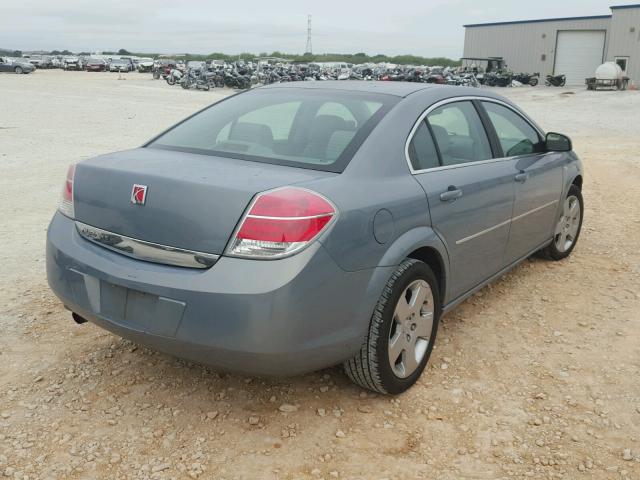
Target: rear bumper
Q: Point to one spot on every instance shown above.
(281, 317)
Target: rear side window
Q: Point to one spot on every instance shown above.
(309, 128)
(516, 135)
(422, 150)
(459, 133)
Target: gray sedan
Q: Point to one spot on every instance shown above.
(295, 227)
(15, 65)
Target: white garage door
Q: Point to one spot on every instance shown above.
(578, 54)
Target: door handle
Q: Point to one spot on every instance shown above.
(522, 177)
(452, 193)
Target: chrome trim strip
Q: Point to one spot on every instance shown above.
(479, 162)
(146, 251)
(522, 215)
(506, 222)
(308, 217)
(476, 235)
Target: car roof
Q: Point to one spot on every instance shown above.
(436, 92)
(398, 89)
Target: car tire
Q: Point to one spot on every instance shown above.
(18, 70)
(567, 229)
(373, 368)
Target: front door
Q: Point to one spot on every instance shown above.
(470, 194)
(538, 180)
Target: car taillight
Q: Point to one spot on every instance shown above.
(281, 222)
(66, 202)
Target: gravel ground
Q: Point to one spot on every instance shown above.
(535, 376)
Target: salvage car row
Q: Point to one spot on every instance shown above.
(97, 63)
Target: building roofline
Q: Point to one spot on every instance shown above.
(540, 20)
(620, 7)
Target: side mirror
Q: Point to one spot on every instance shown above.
(556, 142)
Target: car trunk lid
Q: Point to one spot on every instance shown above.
(192, 201)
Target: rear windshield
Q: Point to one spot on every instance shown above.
(308, 128)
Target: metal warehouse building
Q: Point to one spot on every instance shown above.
(572, 46)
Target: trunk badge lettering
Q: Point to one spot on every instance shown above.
(139, 194)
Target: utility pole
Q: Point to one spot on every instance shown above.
(308, 50)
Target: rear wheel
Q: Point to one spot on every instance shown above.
(18, 70)
(568, 228)
(402, 331)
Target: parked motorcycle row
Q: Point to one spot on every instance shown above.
(509, 79)
(200, 76)
(506, 79)
(243, 75)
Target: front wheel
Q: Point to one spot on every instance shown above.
(401, 333)
(533, 81)
(567, 230)
(18, 70)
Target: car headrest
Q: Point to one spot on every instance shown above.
(325, 124)
(252, 132)
(323, 127)
(442, 137)
(337, 143)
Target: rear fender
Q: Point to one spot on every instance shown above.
(412, 240)
(402, 247)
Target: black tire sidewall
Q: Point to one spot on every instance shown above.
(393, 384)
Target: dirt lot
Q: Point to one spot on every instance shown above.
(535, 376)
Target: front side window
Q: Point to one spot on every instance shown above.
(516, 135)
(309, 128)
(459, 133)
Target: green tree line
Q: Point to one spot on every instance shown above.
(355, 58)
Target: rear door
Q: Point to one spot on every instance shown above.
(470, 193)
(537, 175)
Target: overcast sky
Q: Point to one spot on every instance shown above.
(423, 27)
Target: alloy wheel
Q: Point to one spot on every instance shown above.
(411, 327)
(569, 225)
